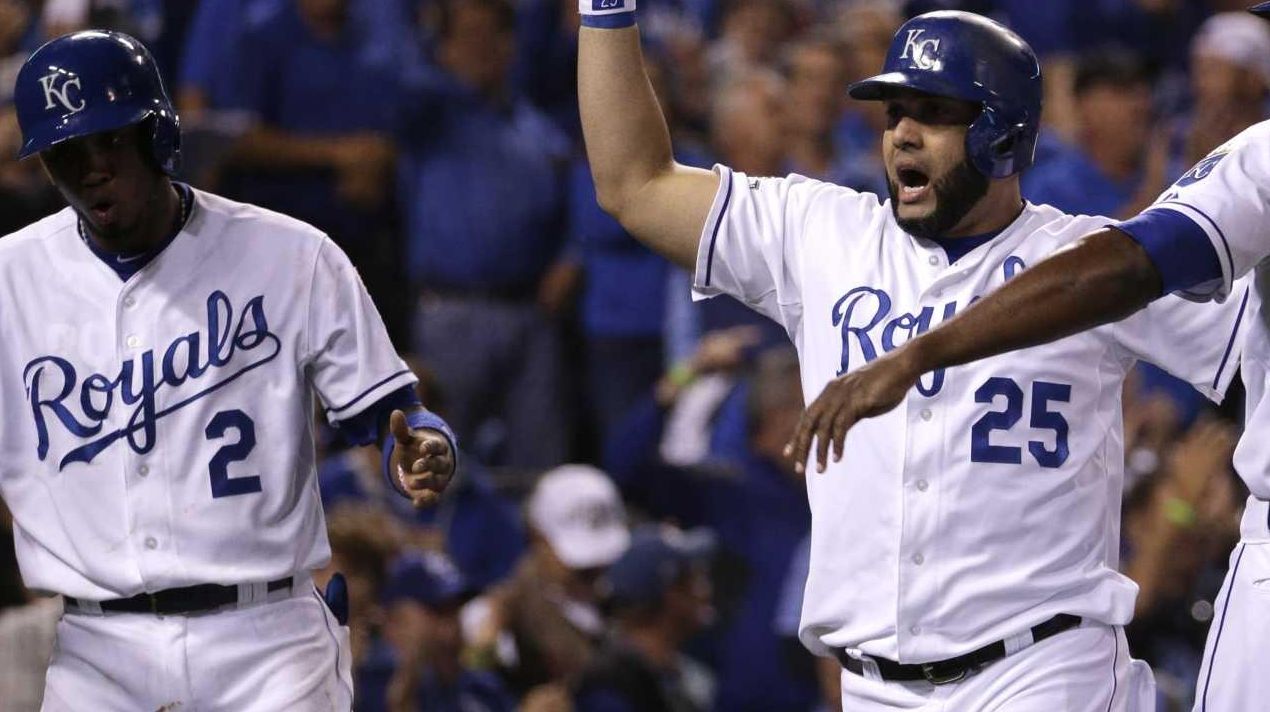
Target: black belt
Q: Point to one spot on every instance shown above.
(942, 672)
(174, 601)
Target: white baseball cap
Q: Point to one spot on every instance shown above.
(1238, 38)
(578, 510)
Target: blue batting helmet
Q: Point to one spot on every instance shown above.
(89, 82)
(967, 56)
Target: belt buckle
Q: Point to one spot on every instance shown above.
(933, 676)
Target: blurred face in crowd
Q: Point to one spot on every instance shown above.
(110, 181)
(324, 11)
(932, 183)
(1120, 117)
(434, 631)
(757, 27)
(689, 601)
(817, 81)
(476, 47)
(578, 584)
(746, 124)
(1219, 83)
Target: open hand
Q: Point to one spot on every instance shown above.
(868, 391)
(421, 459)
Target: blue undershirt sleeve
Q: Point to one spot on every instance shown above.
(1179, 249)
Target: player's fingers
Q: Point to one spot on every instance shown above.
(823, 429)
(426, 482)
(426, 498)
(398, 427)
(802, 450)
(440, 464)
(796, 448)
(434, 447)
(842, 422)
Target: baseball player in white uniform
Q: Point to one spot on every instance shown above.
(163, 349)
(1200, 239)
(964, 555)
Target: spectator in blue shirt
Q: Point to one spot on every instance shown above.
(483, 191)
(422, 597)
(759, 512)
(1115, 169)
(659, 596)
(323, 91)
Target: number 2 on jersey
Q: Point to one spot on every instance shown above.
(222, 484)
(1042, 418)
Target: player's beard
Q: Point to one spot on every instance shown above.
(956, 192)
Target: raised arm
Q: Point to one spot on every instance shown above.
(661, 203)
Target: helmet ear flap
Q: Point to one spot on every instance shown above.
(165, 140)
(999, 147)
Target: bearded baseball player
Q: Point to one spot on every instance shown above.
(1200, 237)
(163, 350)
(964, 552)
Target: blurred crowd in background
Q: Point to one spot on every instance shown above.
(624, 533)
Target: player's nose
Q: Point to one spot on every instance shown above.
(907, 133)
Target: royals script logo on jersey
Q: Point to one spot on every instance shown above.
(863, 316)
(195, 365)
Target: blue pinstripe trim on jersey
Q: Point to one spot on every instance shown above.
(1230, 344)
(727, 198)
(327, 620)
(363, 394)
(1230, 260)
(1115, 681)
(1234, 572)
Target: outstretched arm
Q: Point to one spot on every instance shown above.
(1102, 278)
(661, 203)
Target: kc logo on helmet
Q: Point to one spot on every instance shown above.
(923, 51)
(62, 95)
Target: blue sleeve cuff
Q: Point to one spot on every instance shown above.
(363, 428)
(614, 21)
(417, 419)
(1177, 246)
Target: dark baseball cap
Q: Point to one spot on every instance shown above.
(428, 578)
(1262, 8)
(658, 556)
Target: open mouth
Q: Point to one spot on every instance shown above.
(913, 183)
(102, 210)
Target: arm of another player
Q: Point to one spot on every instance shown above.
(1208, 229)
(1105, 277)
(661, 203)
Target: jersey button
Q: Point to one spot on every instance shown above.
(129, 302)
(151, 542)
(132, 341)
(926, 413)
(143, 470)
(933, 260)
(919, 559)
(922, 485)
(915, 630)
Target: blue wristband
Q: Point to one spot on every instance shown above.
(418, 420)
(614, 21)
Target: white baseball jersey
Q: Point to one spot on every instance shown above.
(158, 431)
(1227, 196)
(989, 500)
